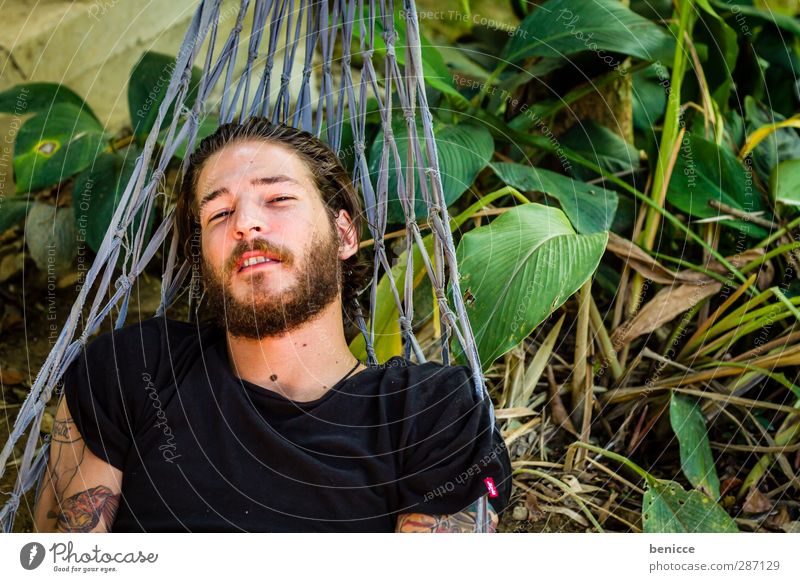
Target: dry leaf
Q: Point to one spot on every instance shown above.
(729, 484)
(572, 514)
(519, 513)
(535, 512)
(665, 306)
(756, 502)
(641, 262)
(10, 376)
(638, 260)
(778, 520)
(10, 265)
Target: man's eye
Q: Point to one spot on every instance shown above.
(281, 198)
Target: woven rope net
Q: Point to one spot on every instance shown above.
(320, 39)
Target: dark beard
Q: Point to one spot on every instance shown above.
(318, 282)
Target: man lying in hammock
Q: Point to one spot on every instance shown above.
(261, 419)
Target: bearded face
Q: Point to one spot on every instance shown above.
(262, 310)
(271, 250)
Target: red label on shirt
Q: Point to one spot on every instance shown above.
(490, 486)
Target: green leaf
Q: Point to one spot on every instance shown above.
(51, 237)
(602, 146)
(649, 96)
(13, 210)
(518, 270)
(785, 183)
(97, 193)
(705, 172)
(738, 12)
(55, 145)
(723, 47)
(668, 508)
(565, 27)
(39, 97)
(589, 208)
(464, 150)
(780, 145)
(697, 462)
(147, 87)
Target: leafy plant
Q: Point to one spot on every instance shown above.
(63, 142)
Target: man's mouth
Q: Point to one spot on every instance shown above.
(254, 260)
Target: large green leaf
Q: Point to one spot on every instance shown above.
(565, 27)
(464, 150)
(589, 208)
(668, 508)
(97, 193)
(705, 172)
(602, 146)
(736, 11)
(697, 462)
(38, 97)
(147, 87)
(518, 270)
(55, 145)
(13, 210)
(785, 183)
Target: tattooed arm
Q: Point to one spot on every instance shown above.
(461, 522)
(79, 491)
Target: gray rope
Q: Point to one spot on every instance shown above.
(341, 100)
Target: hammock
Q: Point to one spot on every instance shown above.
(323, 22)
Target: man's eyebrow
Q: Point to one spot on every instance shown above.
(264, 181)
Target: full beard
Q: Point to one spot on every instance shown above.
(266, 313)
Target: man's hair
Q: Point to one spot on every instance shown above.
(330, 178)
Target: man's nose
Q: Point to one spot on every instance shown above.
(248, 222)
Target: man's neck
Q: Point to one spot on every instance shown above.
(301, 364)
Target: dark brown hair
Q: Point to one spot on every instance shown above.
(330, 178)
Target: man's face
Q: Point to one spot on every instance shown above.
(271, 254)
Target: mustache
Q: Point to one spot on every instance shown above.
(259, 244)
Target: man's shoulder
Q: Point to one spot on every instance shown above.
(431, 384)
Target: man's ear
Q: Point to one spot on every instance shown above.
(348, 237)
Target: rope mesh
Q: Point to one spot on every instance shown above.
(313, 29)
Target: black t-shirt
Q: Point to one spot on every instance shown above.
(204, 451)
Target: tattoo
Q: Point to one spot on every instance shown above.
(61, 431)
(68, 450)
(82, 512)
(462, 522)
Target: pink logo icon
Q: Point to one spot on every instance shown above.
(489, 482)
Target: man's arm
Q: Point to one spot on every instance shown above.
(79, 491)
(461, 522)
